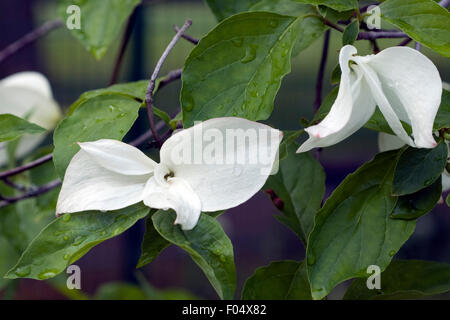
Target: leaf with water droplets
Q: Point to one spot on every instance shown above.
(63, 242)
(101, 22)
(237, 68)
(101, 117)
(12, 127)
(207, 244)
(280, 280)
(353, 229)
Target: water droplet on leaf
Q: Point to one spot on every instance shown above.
(23, 271)
(250, 54)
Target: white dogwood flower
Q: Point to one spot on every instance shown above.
(387, 142)
(194, 174)
(28, 95)
(403, 83)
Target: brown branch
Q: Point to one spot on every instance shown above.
(321, 73)
(29, 38)
(125, 40)
(33, 193)
(25, 167)
(186, 36)
(151, 86)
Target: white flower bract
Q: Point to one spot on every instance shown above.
(28, 95)
(401, 81)
(109, 175)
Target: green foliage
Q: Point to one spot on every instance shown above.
(442, 119)
(152, 244)
(101, 22)
(339, 5)
(405, 279)
(415, 205)
(68, 238)
(207, 244)
(101, 117)
(423, 20)
(300, 184)
(280, 280)
(354, 230)
(12, 127)
(419, 168)
(350, 33)
(236, 70)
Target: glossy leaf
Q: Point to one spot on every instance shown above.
(12, 127)
(415, 205)
(339, 5)
(350, 33)
(152, 244)
(423, 20)
(280, 280)
(105, 116)
(236, 69)
(207, 244)
(353, 230)
(419, 168)
(442, 119)
(300, 185)
(405, 279)
(68, 238)
(101, 22)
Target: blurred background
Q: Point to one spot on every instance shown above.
(257, 237)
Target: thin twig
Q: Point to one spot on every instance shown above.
(404, 42)
(186, 36)
(125, 40)
(14, 185)
(151, 86)
(34, 193)
(371, 35)
(28, 166)
(171, 76)
(332, 25)
(29, 38)
(375, 46)
(321, 73)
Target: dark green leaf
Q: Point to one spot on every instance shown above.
(207, 244)
(350, 33)
(68, 238)
(405, 279)
(336, 75)
(300, 184)
(442, 119)
(152, 244)
(105, 116)
(423, 20)
(119, 291)
(339, 5)
(236, 70)
(419, 168)
(101, 22)
(353, 229)
(280, 280)
(415, 205)
(12, 127)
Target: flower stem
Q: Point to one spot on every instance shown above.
(186, 36)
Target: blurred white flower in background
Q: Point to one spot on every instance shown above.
(28, 95)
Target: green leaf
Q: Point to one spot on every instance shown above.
(67, 239)
(207, 244)
(405, 279)
(419, 168)
(236, 69)
(120, 291)
(350, 33)
(424, 21)
(336, 75)
(12, 127)
(415, 205)
(152, 244)
(442, 119)
(353, 229)
(300, 184)
(280, 280)
(339, 5)
(101, 22)
(133, 90)
(105, 116)
(447, 201)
